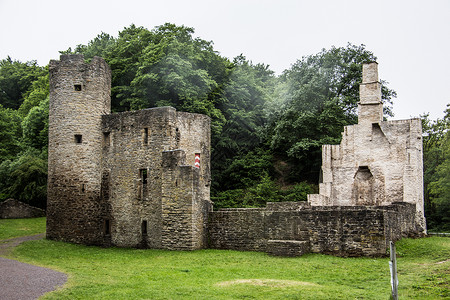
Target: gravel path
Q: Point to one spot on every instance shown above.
(24, 281)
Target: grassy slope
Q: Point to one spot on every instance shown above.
(97, 273)
(10, 228)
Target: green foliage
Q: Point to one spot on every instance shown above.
(99, 46)
(15, 80)
(267, 131)
(436, 158)
(246, 170)
(37, 93)
(12, 228)
(23, 147)
(10, 133)
(266, 190)
(320, 96)
(25, 178)
(117, 273)
(35, 126)
(299, 191)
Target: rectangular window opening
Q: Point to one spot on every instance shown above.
(143, 174)
(144, 227)
(77, 87)
(106, 139)
(143, 178)
(107, 227)
(78, 138)
(145, 136)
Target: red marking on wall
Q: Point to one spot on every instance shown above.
(197, 160)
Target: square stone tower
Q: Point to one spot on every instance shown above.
(130, 179)
(378, 162)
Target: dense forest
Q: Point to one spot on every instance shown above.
(267, 130)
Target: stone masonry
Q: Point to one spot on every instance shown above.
(14, 209)
(142, 178)
(378, 162)
(126, 179)
(295, 228)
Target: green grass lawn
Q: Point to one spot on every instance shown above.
(115, 273)
(10, 228)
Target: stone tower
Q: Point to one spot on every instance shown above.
(129, 179)
(79, 96)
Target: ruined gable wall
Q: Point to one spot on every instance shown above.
(386, 152)
(392, 153)
(79, 96)
(377, 162)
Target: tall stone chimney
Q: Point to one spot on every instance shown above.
(370, 107)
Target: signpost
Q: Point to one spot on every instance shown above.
(393, 269)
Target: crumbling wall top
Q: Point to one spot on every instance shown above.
(76, 60)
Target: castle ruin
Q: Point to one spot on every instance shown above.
(126, 179)
(378, 162)
(141, 178)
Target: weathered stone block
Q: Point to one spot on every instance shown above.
(287, 248)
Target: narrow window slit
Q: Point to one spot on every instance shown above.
(106, 139)
(107, 227)
(145, 136)
(143, 178)
(144, 227)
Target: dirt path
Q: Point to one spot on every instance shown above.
(24, 281)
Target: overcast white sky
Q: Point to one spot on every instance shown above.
(410, 38)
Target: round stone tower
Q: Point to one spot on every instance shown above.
(79, 96)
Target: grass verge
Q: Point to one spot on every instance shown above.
(115, 273)
(11, 228)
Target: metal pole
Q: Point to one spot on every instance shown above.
(393, 269)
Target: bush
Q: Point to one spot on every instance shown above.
(261, 193)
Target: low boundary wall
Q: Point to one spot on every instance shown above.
(336, 230)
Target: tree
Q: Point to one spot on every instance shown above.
(10, 133)
(37, 93)
(320, 97)
(35, 127)
(15, 80)
(25, 178)
(436, 160)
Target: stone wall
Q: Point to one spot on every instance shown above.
(343, 231)
(142, 178)
(14, 209)
(238, 229)
(155, 191)
(79, 96)
(132, 152)
(109, 183)
(377, 162)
